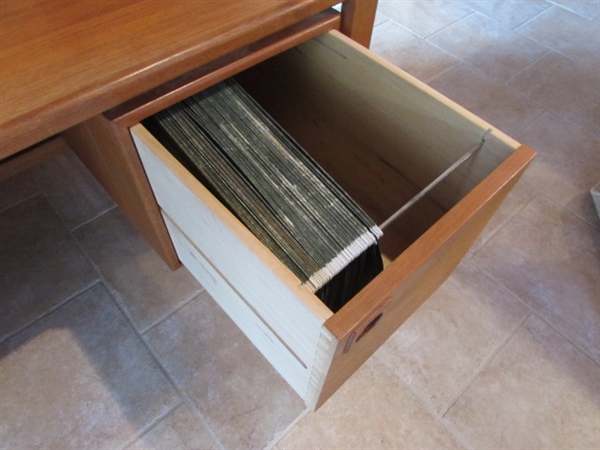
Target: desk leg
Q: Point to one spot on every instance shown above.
(107, 150)
(358, 17)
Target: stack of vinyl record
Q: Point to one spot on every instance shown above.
(274, 188)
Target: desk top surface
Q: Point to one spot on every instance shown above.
(63, 61)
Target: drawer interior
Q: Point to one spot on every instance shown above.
(382, 135)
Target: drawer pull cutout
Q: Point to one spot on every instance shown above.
(370, 320)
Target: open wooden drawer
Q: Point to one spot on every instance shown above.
(383, 136)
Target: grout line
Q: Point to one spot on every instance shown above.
(23, 200)
(486, 361)
(114, 294)
(203, 421)
(533, 311)
(169, 314)
(384, 21)
(146, 429)
(502, 84)
(90, 220)
(440, 415)
(561, 6)
(51, 310)
(565, 336)
(460, 19)
(441, 73)
(186, 400)
(430, 408)
(531, 38)
(509, 80)
(118, 301)
(595, 224)
(116, 298)
(538, 314)
(535, 17)
(402, 26)
(516, 213)
(526, 99)
(424, 38)
(277, 439)
(566, 209)
(456, 59)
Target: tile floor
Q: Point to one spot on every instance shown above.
(102, 347)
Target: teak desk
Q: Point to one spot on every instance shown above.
(90, 71)
(64, 61)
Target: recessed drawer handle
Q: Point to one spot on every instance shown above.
(369, 327)
(367, 324)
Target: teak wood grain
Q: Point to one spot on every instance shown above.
(150, 102)
(357, 21)
(62, 62)
(107, 151)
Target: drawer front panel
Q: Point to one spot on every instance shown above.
(408, 281)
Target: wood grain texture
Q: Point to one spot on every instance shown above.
(410, 279)
(66, 61)
(139, 108)
(358, 17)
(109, 154)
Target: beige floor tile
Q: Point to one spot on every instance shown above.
(516, 200)
(539, 392)
(141, 281)
(412, 54)
(488, 46)
(373, 410)
(510, 13)
(567, 88)
(586, 113)
(40, 264)
(180, 430)
(16, 189)
(446, 341)
(74, 194)
(496, 103)
(551, 260)
(566, 33)
(423, 17)
(586, 8)
(379, 19)
(79, 378)
(243, 400)
(567, 165)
